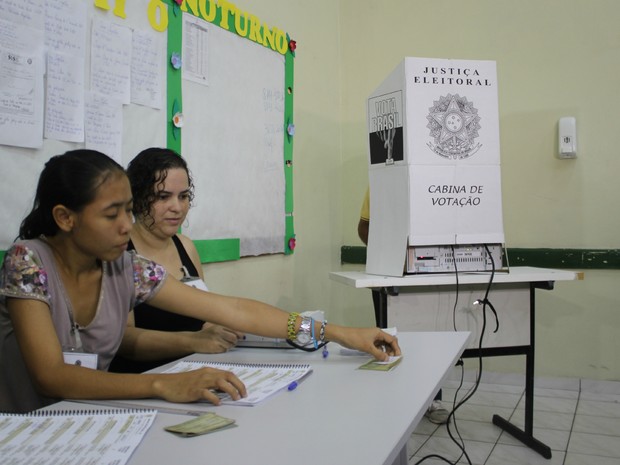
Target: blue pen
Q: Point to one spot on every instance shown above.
(292, 386)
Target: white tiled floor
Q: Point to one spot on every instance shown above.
(578, 419)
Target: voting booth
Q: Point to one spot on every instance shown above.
(434, 169)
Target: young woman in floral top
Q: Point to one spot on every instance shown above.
(67, 287)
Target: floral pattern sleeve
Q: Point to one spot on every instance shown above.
(147, 277)
(22, 275)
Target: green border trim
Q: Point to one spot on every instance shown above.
(582, 259)
(289, 75)
(218, 250)
(586, 259)
(353, 254)
(174, 99)
(174, 105)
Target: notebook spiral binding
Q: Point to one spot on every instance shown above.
(89, 412)
(300, 366)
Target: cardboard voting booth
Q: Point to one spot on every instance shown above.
(434, 168)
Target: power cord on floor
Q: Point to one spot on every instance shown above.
(451, 417)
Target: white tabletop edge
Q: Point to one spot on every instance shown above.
(516, 274)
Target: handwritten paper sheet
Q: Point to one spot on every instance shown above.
(110, 60)
(30, 13)
(21, 98)
(104, 125)
(21, 78)
(64, 109)
(146, 68)
(65, 26)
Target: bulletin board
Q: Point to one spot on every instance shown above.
(236, 137)
(237, 131)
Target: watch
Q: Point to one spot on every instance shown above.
(303, 333)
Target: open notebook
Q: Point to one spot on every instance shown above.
(262, 380)
(103, 436)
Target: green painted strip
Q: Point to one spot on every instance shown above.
(174, 100)
(288, 139)
(582, 259)
(218, 250)
(353, 254)
(2, 254)
(586, 259)
(289, 236)
(289, 233)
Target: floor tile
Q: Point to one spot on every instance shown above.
(547, 420)
(570, 384)
(477, 451)
(552, 404)
(599, 396)
(504, 454)
(556, 393)
(426, 427)
(578, 419)
(489, 398)
(481, 413)
(597, 425)
(598, 408)
(429, 461)
(490, 377)
(507, 388)
(579, 459)
(594, 444)
(600, 387)
(414, 460)
(415, 442)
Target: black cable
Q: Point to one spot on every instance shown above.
(461, 444)
(456, 297)
(484, 302)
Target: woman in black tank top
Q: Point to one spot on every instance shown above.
(162, 191)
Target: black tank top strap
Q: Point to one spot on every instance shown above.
(186, 261)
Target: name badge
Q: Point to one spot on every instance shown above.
(81, 359)
(195, 282)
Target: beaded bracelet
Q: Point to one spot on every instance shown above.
(292, 319)
(322, 332)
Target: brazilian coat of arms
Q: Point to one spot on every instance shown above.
(453, 124)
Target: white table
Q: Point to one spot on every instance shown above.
(338, 414)
(429, 302)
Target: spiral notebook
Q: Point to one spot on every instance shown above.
(261, 380)
(50, 437)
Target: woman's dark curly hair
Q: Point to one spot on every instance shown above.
(148, 170)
